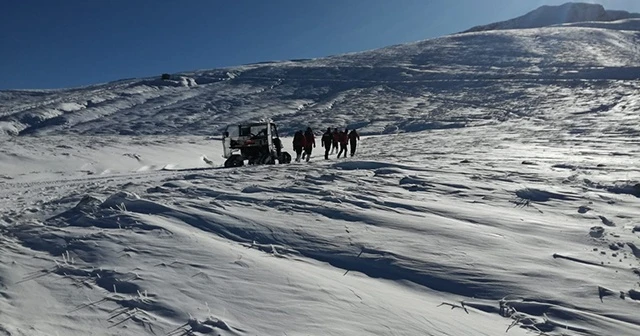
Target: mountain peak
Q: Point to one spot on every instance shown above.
(570, 12)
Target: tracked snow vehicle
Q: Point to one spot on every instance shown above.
(258, 143)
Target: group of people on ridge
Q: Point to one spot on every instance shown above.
(303, 143)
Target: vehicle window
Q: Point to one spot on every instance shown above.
(233, 132)
(245, 131)
(259, 130)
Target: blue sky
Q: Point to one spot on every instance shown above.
(67, 43)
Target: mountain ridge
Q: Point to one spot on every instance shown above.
(571, 12)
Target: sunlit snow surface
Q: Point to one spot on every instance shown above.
(496, 192)
(368, 245)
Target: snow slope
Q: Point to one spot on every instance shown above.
(515, 223)
(494, 193)
(628, 24)
(571, 12)
(449, 82)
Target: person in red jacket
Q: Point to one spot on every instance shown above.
(344, 140)
(354, 137)
(335, 141)
(309, 143)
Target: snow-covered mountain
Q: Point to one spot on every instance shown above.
(571, 12)
(453, 81)
(496, 188)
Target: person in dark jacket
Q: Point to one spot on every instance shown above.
(309, 143)
(354, 137)
(298, 144)
(326, 141)
(343, 138)
(335, 141)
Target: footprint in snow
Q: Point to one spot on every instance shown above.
(606, 221)
(596, 232)
(634, 249)
(584, 209)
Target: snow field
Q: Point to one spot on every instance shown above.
(369, 245)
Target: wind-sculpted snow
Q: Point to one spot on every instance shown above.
(469, 231)
(455, 81)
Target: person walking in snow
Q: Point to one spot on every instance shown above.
(326, 142)
(309, 143)
(343, 138)
(298, 144)
(354, 137)
(335, 141)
